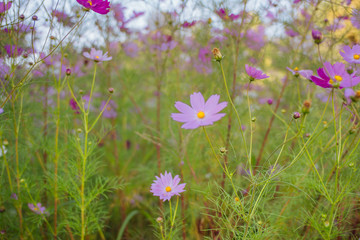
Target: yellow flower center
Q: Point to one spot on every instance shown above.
(168, 189)
(237, 199)
(35, 209)
(97, 57)
(338, 78)
(356, 56)
(357, 94)
(90, 2)
(201, 114)
(296, 69)
(324, 122)
(331, 81)
(108, 108)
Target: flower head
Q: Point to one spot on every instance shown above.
(38, 209)
(98, 6)
(200, 113)
(110, 110)
(254, 73)
(355, 19)
(351, 55)
(166, 186)
(97, 55)
(4, 7)
(334, 76)
(296, 72)
(13, 51)
(317, 36)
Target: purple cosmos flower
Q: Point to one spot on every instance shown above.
(131, 49)
(14, 196)
(338, 76)
(296, 72)
(38, 209)
(4, 7)
(166, 186)
(351, 95)
(74, 106)
(97, 55)
(254, 73)
(317, 36)
(110, 110)
(255, 39)
(355, 19)
(351, 55)
(98, 6)
(13, 51)
(291, 33)
(200, 113)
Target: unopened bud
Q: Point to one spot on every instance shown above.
(25, 55)
(269, 101)
(52, 37)
(35, 18)
(317, 36)
(79, 130)
(253, 119)
(296, 115)
(5, 142)
(351, 164)
(111, 90)
(68, 71)
(217, 54)
(222, 150)
(306, 107)
(81, 92)
(22, 17)
(159, 219)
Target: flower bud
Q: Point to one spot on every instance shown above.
(351, 165)
(22, 17)
(222, 150)
(25, 55)
(79, 130)
(81, 92)
(35, 18)
(296, 115)
(269, 101)
(317, 36)
(5, 142)
(306, 107)
(52, 37)
(237, 199)
(159, 220)
(349, 70)
(253, 119)
(111, 90)
(217, 54)
(68, 71)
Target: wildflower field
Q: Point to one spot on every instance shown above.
(179, 119)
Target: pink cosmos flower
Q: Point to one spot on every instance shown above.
(351, 95)
(355, 19)
(166, 186)
(97, 55)
(13, 51)
(131, 49)
(110, 110)
(98, 6)
(254, 73)
(38, 209)
(334, 76)
(4, 7)
(305, 73)
(200, 113)
(351, 55)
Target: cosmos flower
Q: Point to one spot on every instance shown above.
(74, 106)
(98, 6)
(166, 186)
(13, 50)
(97, 55)
(255, 38)
(4, 7)
(355, 19)
(131, 49)
(110, 110)
(351, 55)
(334, 76)
(187, 24)
(38, 209)
(351, 95)
(296, 72)
(254, 73)
(291, 33)
(200, 113)
(317, 36)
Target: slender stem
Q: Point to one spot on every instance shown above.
(251, 129)
(233, 106)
